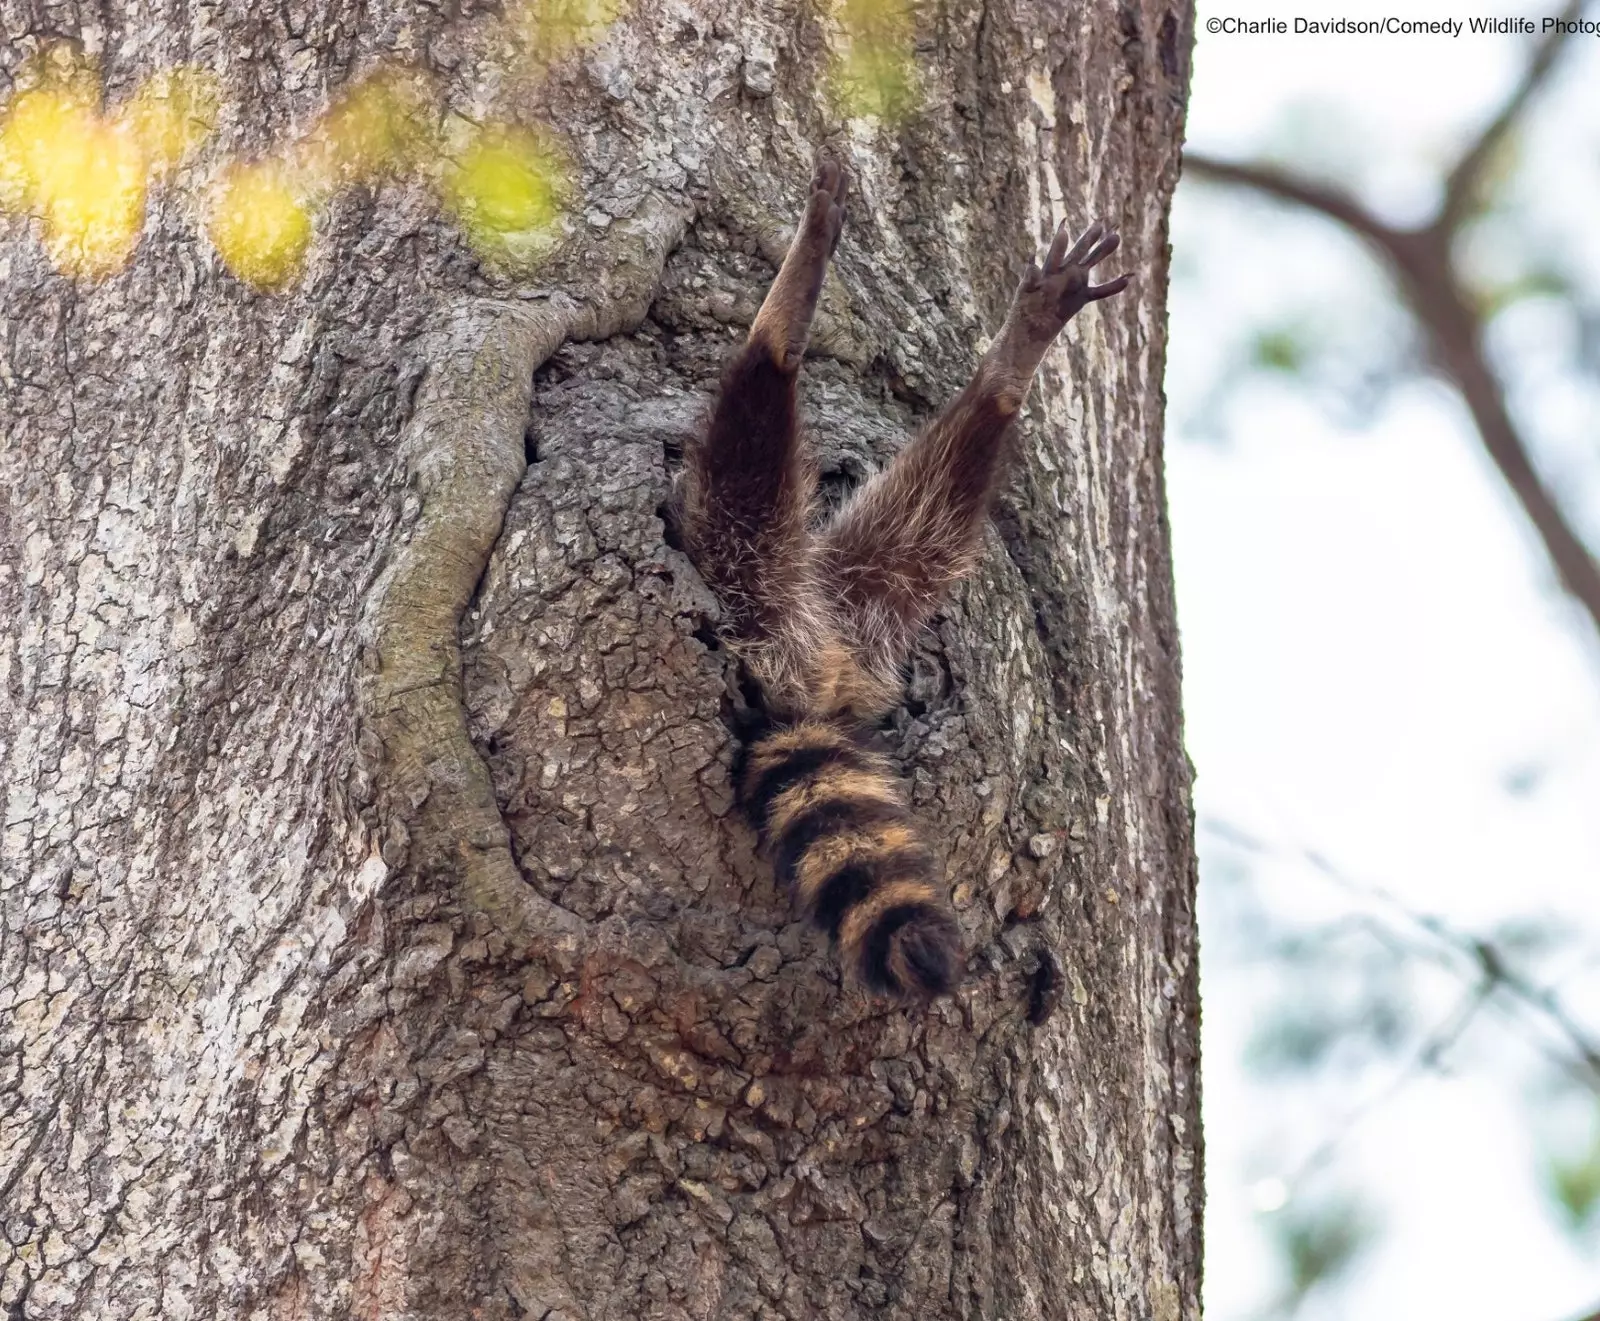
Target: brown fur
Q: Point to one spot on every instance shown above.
(832, 816)
(833, 852)
(824, 623)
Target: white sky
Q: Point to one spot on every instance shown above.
(1372, 645)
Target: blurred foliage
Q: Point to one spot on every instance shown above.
(1534, 282)
(85, 180)
(1348, 347)
(83, 172)
(261, 215)
(876, 73)
(381, 128)
(505, 185)
(1569, 1163)
(1350, 979)
(1574, 1182)
(1347, 993)
(260, 225)
(506, 191)
(1499, 266)
(1318, 1242)
(171, 114)
(1285, 348)
(1365, 244)
(1341, 346)
(1529, 937)
(1314, 1029)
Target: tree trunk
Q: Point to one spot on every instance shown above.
(379, 937)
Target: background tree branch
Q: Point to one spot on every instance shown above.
(1464, 178)
(1434, 288)
(1315, 195)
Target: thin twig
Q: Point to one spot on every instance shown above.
(1495, 972)
(1464, 178)
(1427, 1056)
(1330, 201)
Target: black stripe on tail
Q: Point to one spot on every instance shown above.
(831, 814)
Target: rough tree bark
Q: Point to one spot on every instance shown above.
(378, 936)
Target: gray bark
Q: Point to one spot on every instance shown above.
(378, 937)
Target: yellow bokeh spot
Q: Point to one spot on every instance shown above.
(259, 225)
(380, 127)
(82, 176)
(507, 191)
(549, 29)
(878, 23)
(171, 114)
(876, 74)
(874, 79)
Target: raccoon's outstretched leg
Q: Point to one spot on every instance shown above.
(747, 485)
(783, 325)
(911, 532)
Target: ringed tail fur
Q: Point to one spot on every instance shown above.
(831, 813)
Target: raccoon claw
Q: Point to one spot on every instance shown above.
(1050, 295)
(825, 206)
(1064, 281)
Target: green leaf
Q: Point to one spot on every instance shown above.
(1318, 1243)
(1280, 349)
(1574, 1182)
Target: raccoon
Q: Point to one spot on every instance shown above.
(823, 619)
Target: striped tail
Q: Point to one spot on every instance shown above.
(831, 813)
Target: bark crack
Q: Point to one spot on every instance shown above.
(464, 456)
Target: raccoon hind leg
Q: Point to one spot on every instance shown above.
(745, 496)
